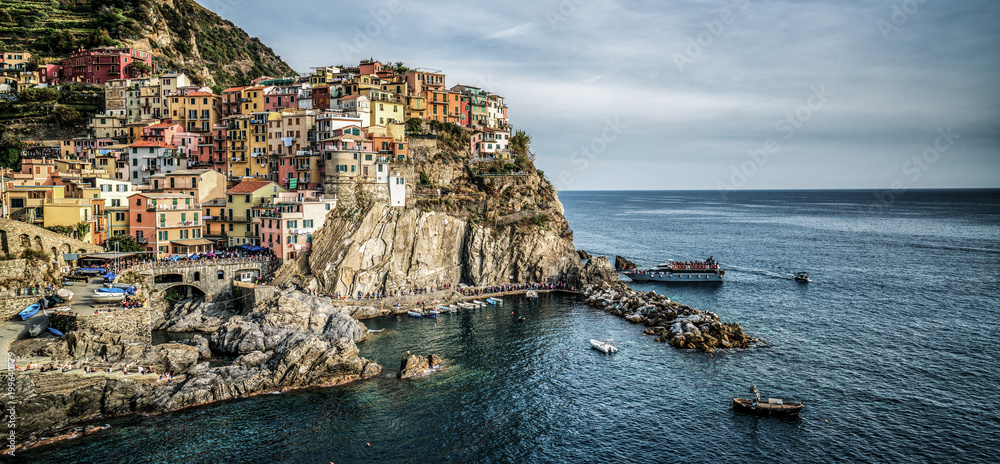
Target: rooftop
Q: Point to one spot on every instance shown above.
(249, 186)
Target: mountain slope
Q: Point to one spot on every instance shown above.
(184, 35)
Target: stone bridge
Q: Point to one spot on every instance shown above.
(211, 277)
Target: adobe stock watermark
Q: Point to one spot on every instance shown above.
(713, 30)
(563, 11)
(913, 169)
(901, 14)
(583, 156)
(381, 18)
(789, 126)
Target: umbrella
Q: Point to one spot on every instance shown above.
(245, 246)
(256, 248)
(210, 254)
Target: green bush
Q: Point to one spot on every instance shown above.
(28, 253)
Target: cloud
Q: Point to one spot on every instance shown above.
(511, 32)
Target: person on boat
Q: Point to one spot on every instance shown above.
(756, 395)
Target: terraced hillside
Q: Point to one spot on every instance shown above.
(182, 34)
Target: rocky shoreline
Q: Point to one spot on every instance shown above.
(679, 325)
(295, 341)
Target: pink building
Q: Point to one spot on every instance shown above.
(100, 65)
(286, 224)
(187, 144)
(164, 132)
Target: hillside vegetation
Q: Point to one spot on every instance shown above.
(183, 35)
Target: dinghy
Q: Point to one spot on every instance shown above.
(108, 297)
(604, 346)
(414, 314)
(65, 294)
(30, 310)
(494, 301)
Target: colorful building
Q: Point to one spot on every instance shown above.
(286, 222)
(100, 65)
(240, 203)
(167, 223)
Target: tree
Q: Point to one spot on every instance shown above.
(10, 149)
(414, 126)
(520, 145)
(137, 68)
(101, 38)
(64, 115)
(125, 243)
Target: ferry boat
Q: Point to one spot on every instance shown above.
(673, 271)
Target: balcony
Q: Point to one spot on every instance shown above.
(170, 225)
(237, 218)
(172, 207)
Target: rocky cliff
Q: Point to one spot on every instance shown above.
(458, 227)
(294, 341)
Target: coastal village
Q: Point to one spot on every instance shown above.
(183, 170)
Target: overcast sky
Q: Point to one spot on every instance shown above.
(697, 94)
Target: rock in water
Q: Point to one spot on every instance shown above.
(583, 254)
(623, 264)
(414, 365)
(598, 271)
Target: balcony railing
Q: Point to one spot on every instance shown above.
(171, 207)
(237, 218)
(166, 225)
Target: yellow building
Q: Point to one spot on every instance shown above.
(69, 212)
(386, 107)
(196, 111)
(240, 201)
(26, 202)
(200, 184)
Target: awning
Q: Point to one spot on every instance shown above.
(192, 242)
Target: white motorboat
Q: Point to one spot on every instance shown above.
(605, 346)
(532, 295)
(465, 305)
(802, 277)
(494, 301)
(106, 297)
(480, 303)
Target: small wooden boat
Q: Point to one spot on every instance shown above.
(106, 297)
(802, 277)
(454, 308)
(604, 346)
(414, 314)
(465, 305)
(772, 407)
(431, 312)
(532, 295)
(480, 303)
(375, 331)
(30, 310)
(494, 301)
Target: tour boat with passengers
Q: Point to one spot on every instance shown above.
(679, 271)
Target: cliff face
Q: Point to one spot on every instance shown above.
(458, 226)
(385, 249)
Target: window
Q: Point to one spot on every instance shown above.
(138, 217)
(222, 275)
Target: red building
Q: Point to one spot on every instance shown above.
(100, 65)
(321, 97)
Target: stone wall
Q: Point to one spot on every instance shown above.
(125, 322)
(16, 236)
(11, 305)
(247, 295)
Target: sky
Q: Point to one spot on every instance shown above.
(697, 94)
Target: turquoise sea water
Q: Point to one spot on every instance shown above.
(893, 346)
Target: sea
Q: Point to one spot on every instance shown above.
(893, 347)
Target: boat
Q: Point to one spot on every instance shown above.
(431, 312)
(802, 277)
(773, 406)
(108, 297)
(454, 308)
(672, 271)
(479, 303)
(30, 310)
(38, 328)
(51, 311)
(532, 295)
(414, 314)
(65, 294)
(604, 346)
(375, 331)
(465, 305)
(112, 290)
(55, 331)
(494, 301)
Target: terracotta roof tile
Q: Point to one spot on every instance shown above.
(249, 186)
(146, 143)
